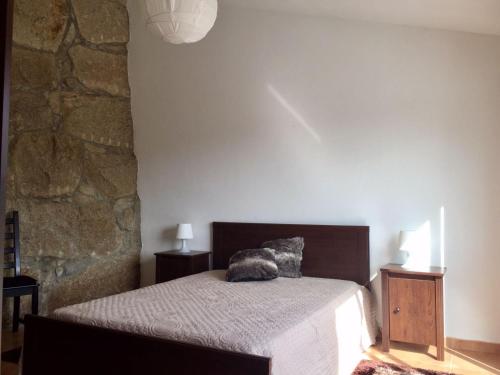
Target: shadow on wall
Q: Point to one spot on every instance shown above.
(148, 265)
(169, 235)
(422, 253)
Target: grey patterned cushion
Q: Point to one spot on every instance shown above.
(252, 264)
(288, 254)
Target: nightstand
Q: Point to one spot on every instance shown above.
(412, 306)
(174, 264)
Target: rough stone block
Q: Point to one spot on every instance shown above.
(40, 24)
(46, 165)
(99, 70)
(102, 21)
(106, 276)
(29, 111)
(114, 175)
(99, 232)
(101, 120)
(127, 213)
(34, 70)
(49, 229)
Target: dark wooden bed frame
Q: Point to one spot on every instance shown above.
(60, 348)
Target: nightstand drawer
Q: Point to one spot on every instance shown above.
(174, 264)
(171, 268)
(412, 300)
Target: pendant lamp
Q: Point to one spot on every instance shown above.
(181, 21)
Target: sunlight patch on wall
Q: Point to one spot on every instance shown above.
(297, 116)
(419, 247)
(442, 242)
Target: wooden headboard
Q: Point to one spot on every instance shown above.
(330, 251)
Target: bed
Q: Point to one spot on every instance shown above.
(203, 325)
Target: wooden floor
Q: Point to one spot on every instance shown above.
(456, 362)
(11, 341)
(460, 363)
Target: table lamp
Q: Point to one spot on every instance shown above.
(184, 233)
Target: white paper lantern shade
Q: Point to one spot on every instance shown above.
(181, 21)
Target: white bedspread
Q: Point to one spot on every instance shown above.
(308, 325)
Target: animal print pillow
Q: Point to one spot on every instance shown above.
(288, 254)
(252, 265)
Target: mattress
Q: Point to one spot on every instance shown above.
(307, 325)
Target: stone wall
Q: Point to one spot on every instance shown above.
(72, 170)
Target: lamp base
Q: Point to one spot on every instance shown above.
(184, 247)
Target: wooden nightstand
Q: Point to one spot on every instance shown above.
(174, 264)
(412, 305)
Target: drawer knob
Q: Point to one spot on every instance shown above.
(397, 310)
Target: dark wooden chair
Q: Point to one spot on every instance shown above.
(17, 285)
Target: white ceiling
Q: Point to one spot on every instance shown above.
(478, 16)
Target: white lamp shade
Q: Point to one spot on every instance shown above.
(181, 21)
(184, 232)
(407, 240)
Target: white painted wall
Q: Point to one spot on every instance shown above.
(283, 118)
